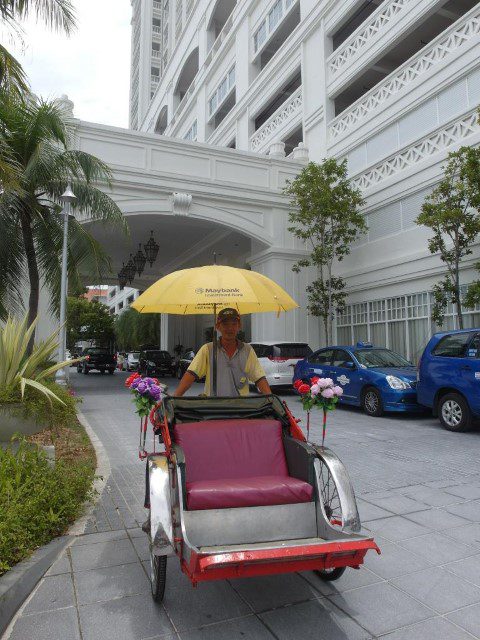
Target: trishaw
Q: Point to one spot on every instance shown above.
(239, 492)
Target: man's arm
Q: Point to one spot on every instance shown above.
(263, 386)
(185, 383)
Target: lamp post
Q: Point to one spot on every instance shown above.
(67, 198)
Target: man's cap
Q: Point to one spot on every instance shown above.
(228, 313)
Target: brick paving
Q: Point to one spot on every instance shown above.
(418, 489)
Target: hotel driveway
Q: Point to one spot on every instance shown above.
(418, 490)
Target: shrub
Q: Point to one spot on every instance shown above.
(37, 501)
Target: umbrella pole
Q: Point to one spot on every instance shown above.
(214, 353)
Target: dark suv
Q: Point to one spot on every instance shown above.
(155, 362)
(184, 362)
(449, 378)
(97, 358)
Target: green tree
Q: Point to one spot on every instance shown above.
(134, 329)
(325, 216)
(88, 321)
(451, 211)
(38, 134)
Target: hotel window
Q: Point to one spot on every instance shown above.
(225, 87)
(271, 22)
(191, 133)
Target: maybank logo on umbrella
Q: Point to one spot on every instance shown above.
(211, 292)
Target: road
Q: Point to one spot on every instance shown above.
(418, 489)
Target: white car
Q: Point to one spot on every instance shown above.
(131, 363)
(278, 359)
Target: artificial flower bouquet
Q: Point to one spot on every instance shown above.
(322, 393)
(147, 392)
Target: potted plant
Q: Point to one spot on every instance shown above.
(20, 369)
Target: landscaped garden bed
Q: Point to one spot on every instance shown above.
(38, 501)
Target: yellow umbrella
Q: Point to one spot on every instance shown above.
(201, 289)
(211, 288)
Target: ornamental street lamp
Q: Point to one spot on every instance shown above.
(67, 198)
(140, 259)
(130, 269)
(151, 249)
(122, 276)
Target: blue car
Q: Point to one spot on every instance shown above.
(449, 378)
(373, 378)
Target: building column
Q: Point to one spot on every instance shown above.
(296, 325)
(164, 332)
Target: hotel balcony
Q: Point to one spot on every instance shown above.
(280, 125)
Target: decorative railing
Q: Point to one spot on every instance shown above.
(155, 53)
(460, 32)
(428, 146)
(289, 110)
(157, 5)
(155, 79)
(362, 37)
(157, 30)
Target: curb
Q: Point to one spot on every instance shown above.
(17, 584)
(102, 473)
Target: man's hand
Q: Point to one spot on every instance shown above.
(184, 385)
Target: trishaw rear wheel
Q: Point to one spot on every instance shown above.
(158, 575)
(330, 574)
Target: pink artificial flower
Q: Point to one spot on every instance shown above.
(322, 382)
(315, 389)
(338, 391)
(328, 393)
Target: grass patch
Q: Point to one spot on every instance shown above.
(38, 502)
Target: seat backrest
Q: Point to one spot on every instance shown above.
(239, 448)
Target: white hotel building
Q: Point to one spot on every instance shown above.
(392, 85)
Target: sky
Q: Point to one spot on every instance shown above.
(92, 66)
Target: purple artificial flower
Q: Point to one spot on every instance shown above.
(135, 383)
(338, 391)
(149, 381)
(142, 388)
(328, 393)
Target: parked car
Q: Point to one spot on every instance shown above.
(449, 378)
(374, 378)
(184, 362)
(97, 358)
(132, 360)
(278, 359)
(155, 362)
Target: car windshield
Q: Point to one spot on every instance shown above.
(291, 350)
(158, 355)
(97, 352)
(135, 355)
(380, 358)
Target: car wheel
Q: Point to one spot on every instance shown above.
(85, 370)
(111, 371)
(102, 371)
(454, 412)
(372, 402)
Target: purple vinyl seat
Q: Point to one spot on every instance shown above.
(237, 463)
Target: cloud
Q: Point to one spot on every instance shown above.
(92, 66)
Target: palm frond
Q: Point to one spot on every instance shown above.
(56, 14)
(12, 76)
(12, 260)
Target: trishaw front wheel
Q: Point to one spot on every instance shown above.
(158, 575)
(329, 575)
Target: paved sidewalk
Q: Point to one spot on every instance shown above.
(418, 490)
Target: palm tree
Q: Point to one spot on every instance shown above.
(37, 134)
(56, 14)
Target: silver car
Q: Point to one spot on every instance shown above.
(131, 362)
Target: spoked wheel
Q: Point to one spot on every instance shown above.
(372, 402)
(158, 575)
(330, 498)
(329, 575)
